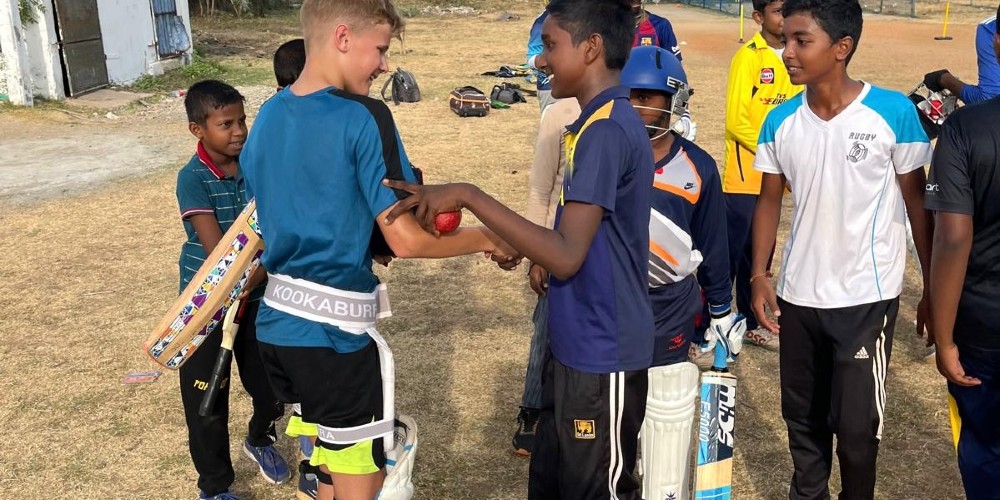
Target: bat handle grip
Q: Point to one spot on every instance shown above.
(220, 371)
(720, 364)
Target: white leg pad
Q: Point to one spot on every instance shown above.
(398, 484)
(666, 435)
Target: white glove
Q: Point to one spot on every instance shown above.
(727, 329)
(686, 128)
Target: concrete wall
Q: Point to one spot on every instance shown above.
(3, 76)
(129, 38)
(16, 75)
(45, 65)
(129, 35)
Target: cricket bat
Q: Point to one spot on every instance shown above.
(204, 302)
(714, 477)
(220, 373)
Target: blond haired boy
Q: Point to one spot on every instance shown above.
(315, 161)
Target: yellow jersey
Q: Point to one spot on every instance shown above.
(758, 82)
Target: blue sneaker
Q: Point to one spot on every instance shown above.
(305, 447)
(272, 466)
(225, 495)
(308, 482)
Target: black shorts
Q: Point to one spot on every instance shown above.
(588, 429)
(335, 390)
(676, 309)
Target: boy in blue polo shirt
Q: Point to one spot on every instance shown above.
(211, 194)
(600, 320)
(315, 162)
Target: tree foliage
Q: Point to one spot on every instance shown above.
(251, 8)
(29, 10)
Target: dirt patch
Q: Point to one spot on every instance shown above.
(68, 150)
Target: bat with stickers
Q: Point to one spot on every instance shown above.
(220, 373)
(210, 294)
(714, 476)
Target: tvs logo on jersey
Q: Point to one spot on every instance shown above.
(584, 429)
(857, 153)
(767, 76)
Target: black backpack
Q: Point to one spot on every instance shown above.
(404, 87)
(507, 93)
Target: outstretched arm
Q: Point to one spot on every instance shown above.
(560, 252)
(409, 241)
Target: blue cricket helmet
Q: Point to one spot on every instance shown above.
(653, 68)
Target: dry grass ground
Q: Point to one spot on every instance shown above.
(87, 275)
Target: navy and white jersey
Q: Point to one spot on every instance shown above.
(847, 244)
(600, 320)
(687, 223)
(315, 165)
(965, 179)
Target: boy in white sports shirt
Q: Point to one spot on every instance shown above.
(852, 154)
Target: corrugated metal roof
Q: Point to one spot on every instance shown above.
(164, 7)
(171, 35)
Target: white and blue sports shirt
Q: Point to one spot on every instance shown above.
(848, 236)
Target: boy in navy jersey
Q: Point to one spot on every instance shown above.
(600, 320)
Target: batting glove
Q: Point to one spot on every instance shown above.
(726, 328)
(686, 128)
(932, 80)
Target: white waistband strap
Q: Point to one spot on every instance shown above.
(351, 311)
(382, 428)
(354, 313)
(351, 435)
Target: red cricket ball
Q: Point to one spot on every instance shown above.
(446, 222)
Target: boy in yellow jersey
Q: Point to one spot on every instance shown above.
(758, 82)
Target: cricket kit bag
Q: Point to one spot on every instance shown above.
(469, 101)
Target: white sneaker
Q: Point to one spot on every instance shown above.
(761, 337)
(703, 360)
(930, 356)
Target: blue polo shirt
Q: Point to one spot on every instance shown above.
(600, 320)
(315, 165)
(203, 188)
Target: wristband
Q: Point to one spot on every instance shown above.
(719, 311)
(766, 274)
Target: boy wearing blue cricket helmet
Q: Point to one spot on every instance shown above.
(686, 233)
